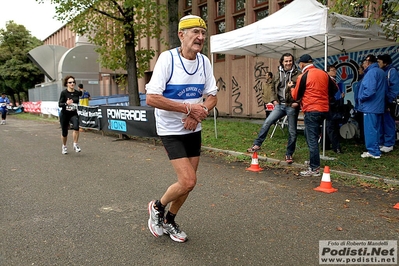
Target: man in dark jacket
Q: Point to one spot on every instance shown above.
(335, 114)
(371, 102)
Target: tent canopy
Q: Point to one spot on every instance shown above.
(305, 26)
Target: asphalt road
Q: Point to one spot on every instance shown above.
(90, 208)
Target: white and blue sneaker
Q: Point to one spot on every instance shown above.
(174, 232)
(155, 220)
(76, 147)
(310, 172)
(64, 149)
(366, 154)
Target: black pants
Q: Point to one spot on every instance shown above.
(332, 131)
(65, 118)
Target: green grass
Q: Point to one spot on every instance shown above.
(37, 117)
(238, 135)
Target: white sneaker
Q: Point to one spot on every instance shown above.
(174, 232)
(76, 147)
(3, 122)
(155, 220)
(64, 149)
(369, 155)
(311, 172)
(386, 149)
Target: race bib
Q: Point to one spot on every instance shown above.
(72, 107)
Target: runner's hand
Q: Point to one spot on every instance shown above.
(198, 112)
(190, 123)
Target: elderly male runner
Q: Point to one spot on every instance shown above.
(182, 77)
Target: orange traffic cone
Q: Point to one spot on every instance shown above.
(325, 184)
(254, 164)
(396, 206)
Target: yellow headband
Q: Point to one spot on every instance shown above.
(192, 22)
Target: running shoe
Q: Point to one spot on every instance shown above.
(76, 147)
(366, 154)
(386, 149)
(155, 220)
(310, 172)
(174, 232)
(288, 159)
(254, 148)
(64, 149)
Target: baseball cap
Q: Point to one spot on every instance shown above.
(191, 21)
(305, 58)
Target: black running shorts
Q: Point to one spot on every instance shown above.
(182, 146)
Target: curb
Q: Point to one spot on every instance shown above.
(297, 165)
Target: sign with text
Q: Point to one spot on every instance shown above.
(378, 252)
(130, 120)
(89, 117)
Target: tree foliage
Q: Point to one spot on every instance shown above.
(385, 13)
(116, 28)
(17, 72)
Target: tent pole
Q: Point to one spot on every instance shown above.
(323, 157)
(214, 112)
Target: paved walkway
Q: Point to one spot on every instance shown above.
(89, 208)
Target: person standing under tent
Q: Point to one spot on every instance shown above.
(267, 91)
(388, 132)
(335, 114)
(182, 77)
(371, 101)
(313, 90)
(284, 105)
(357, 114)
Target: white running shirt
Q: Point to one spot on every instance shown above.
(180, 80)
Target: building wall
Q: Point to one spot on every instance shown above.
(106, 78)
(63, 37)
(239, 79)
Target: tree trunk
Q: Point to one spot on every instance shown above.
(131, 66)
(131, 62)
(173, 16)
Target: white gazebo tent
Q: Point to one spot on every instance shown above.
(303, 26)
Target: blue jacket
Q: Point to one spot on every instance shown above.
(3, 102)
(372, 90)
(393, 83)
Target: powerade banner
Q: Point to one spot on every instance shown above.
(130, 120)
(348, 64)
(89, 117)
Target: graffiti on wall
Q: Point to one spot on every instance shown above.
(237, 105)
(221, 84)
(260, 70)
(236, 93)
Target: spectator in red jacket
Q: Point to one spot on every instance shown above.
(312, 91)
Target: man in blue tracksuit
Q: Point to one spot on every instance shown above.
(371, 102)
(388, 131)
(4, 102)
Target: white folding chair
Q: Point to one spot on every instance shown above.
(280, 123)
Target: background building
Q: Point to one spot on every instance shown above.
(239, 78)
